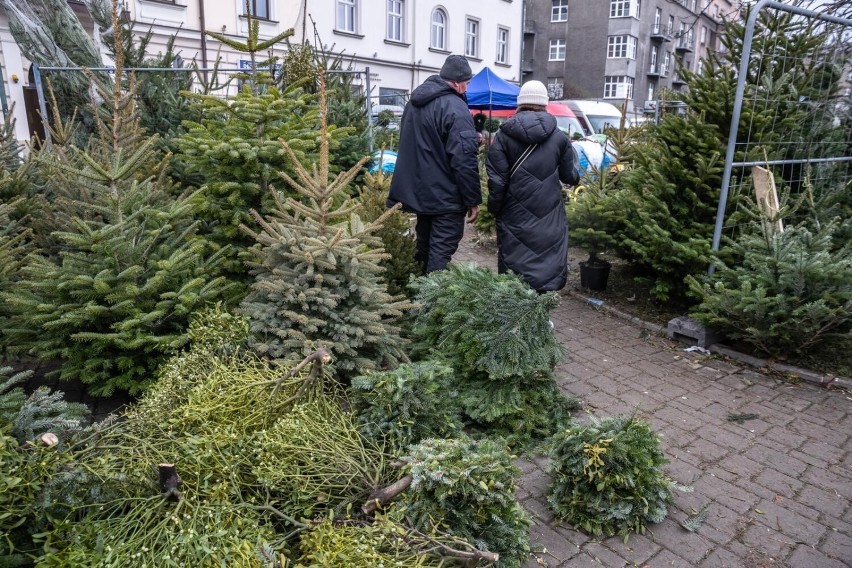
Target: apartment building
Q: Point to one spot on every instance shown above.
(400, 42)
(621, 51)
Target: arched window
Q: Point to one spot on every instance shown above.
(439, 29)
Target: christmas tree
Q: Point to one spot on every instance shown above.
(131, 268)
(669, 203)
(318, 272)
(233, 152)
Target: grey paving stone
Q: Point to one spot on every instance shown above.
(799, 450)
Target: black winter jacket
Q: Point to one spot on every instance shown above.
(436, 168)
(529, 207)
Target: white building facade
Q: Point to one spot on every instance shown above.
(401, 42)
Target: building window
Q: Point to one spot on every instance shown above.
(559, 11)
(703, 35)
(654, 52)
(623, 46)
(388, 96)
(396, 20)
(471, 38)
(650, 93)
(555, 88)
(670, 29)
(502, 45)
(623, 8)
(618, 87)
(259, 8)
(347, 15)
(439, 29)
(667, 58)
(557, 50)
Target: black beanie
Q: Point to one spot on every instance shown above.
(456, 68)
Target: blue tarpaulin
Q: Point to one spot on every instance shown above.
(488, 91)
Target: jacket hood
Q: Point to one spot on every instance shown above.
(529, 127)
(431, 89)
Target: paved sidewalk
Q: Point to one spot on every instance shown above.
(778, 487)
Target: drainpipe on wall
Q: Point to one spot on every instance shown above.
(414, 64)
(203, 38)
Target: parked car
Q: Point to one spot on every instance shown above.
(581, 117)
(566, 120)
(601, 115)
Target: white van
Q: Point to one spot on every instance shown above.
(599, 114)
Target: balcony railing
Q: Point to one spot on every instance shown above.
(660, 32)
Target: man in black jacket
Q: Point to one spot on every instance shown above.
(436, 174)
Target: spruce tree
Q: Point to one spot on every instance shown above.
(131, 268)
(787, 292)
(318, 278)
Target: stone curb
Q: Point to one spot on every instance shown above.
(813, 377)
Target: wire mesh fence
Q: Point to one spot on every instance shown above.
(791, 114)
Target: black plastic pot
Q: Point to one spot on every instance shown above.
(594, 276)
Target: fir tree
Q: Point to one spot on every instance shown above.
(131, 269)
(493, 330)
(669, 203)
(233, 148)
(318, 277)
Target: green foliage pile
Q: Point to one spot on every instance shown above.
(251, 443)
(669, 203)
(26, 464)
(396, 233)
(787, 293)
(607, 477)
(23, 471)
(348, 544)
(493, 330)
(409, 404)
(129, 269)
(466, 488)
(318, 280)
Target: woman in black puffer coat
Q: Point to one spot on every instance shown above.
(527, 164)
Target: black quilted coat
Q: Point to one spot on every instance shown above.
(529, 206)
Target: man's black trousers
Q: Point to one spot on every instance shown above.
(438, 238)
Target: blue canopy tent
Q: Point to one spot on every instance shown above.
(488, 91)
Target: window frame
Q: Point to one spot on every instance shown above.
(503, 35)
(559, 11)
(613, 87)
(267, 3)
(621, 46)
(442, 27)
(624, 8)
(346, 9)
(395, 21)
(472, 38)
(556, 43)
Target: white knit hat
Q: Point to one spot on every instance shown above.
(533, 93)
